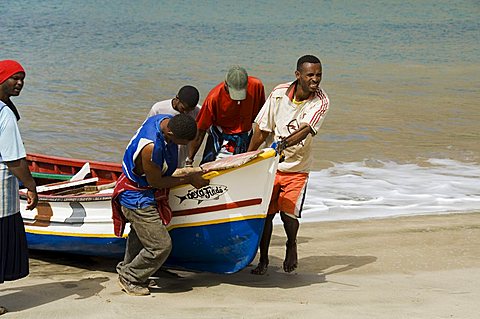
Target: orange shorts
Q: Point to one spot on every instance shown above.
(288, 193)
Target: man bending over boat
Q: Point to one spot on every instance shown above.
(227, 114)
(141, 196)
(13, 167)
(184, 102)
(293, 113)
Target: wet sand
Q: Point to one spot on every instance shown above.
(409, 267)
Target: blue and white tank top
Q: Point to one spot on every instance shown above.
(165, 155)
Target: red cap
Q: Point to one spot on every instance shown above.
(9, 68)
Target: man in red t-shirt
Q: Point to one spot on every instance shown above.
(227, 114)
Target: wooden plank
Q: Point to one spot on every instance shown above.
(66, 184)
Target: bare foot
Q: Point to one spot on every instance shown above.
(291, 260)
(261, 268)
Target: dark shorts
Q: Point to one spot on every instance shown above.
(218, 142)
(13, 248)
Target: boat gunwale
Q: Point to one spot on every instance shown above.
(69, 198)
(113, 168)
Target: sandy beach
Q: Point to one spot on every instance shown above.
(401, 137)
(409, 267)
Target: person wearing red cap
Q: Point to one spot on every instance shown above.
(13, 167)
(227, 114)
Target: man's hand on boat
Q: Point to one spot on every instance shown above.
(197, 180)
(186, 171)
(194, 174)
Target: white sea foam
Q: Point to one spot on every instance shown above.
(361, 190)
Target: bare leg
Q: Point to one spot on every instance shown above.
(291, 226)
(262, 266)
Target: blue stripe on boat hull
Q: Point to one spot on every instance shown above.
(92, 246)
(219, 248)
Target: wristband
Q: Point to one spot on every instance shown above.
(188, 162)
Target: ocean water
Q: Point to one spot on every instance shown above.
(402, 136)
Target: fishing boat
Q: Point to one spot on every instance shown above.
(216, 228)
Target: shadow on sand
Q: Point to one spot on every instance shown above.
(36, 295)
(312, 270)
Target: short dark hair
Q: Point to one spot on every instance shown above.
(307, 59)
(183, 127)
(189, 95)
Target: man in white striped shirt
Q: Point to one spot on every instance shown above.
(293, 114)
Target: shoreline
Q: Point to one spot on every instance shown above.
(421, 266)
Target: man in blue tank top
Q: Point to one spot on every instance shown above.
(141, 196)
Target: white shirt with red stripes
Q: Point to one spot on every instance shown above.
(282, 116)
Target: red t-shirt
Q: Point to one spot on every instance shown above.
(220, 110)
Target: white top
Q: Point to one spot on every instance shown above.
(165, 107)
(11, 148)
(282, 117)
(11, 145)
